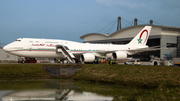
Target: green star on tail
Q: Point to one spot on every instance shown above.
(139, 40)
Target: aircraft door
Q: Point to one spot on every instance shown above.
(30, 46)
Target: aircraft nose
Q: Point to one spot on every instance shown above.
(6, 48)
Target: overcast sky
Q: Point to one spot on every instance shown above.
(70, 19)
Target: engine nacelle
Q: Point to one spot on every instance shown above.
(88, 57)
(119, 55)
(109, 56)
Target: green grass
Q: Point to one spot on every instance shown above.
(22, 71)
(28, 71)
(140, 76)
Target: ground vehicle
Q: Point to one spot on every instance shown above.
(133, 62)
(155, 61)
(103, 60)
(176, 61)
(27, 60)
(167, 61)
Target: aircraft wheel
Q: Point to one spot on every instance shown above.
(155, 63)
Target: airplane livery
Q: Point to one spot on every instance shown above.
(86, 52)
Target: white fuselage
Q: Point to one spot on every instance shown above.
(46, 48)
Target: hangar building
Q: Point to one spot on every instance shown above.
(163, 36)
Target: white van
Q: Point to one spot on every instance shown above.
(133, 62)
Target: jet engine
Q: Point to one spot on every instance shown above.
(119, 55)
(88, 57)
(109, 55)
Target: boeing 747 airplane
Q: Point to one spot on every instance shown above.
(86, 52)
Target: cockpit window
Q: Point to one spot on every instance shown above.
(18, 40)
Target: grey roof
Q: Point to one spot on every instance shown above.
(127, 28)
(105, 35)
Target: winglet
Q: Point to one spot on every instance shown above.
(142, 37)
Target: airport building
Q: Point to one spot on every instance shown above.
(4, 56)
(166, 37)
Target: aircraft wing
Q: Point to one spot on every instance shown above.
(131, 52)
(101, 53)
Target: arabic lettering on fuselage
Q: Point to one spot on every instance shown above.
(50, 45)
(47, 45)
